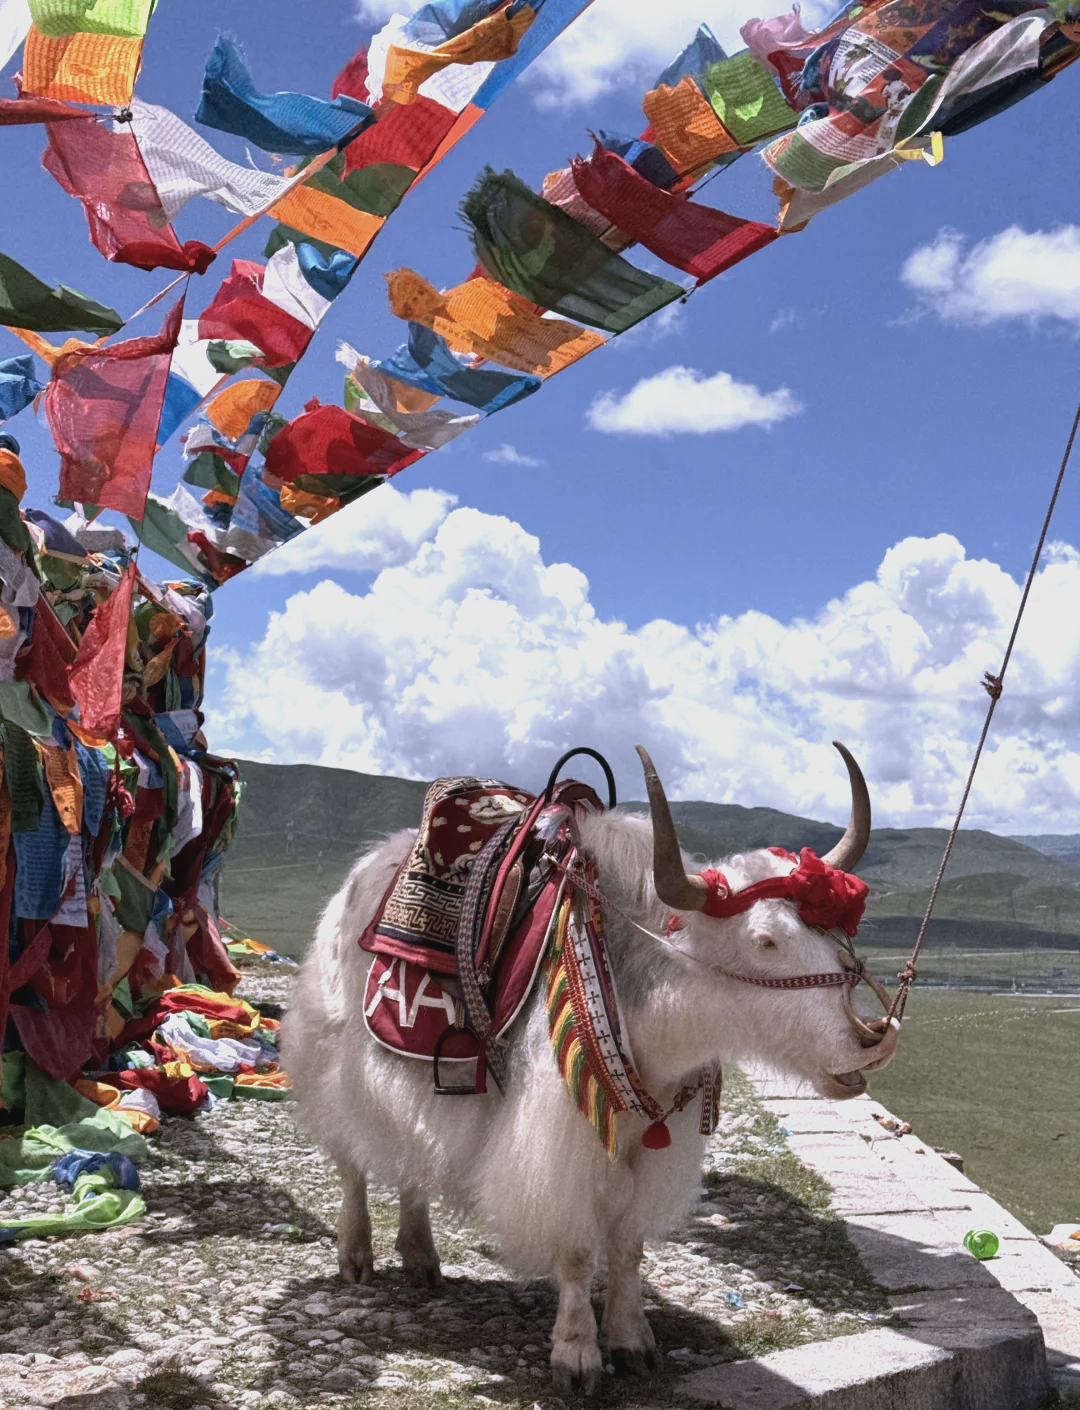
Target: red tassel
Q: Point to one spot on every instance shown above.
(657, 1137)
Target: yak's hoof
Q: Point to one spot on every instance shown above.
(637, 1360)
(583, 1380)
(422, 1275)
(355, 1272)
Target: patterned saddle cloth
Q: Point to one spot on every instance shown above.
(461, 932)
(494, 884)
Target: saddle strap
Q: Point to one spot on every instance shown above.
(478, 888)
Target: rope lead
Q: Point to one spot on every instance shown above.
(993, 686)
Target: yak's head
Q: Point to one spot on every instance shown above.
(746, 953)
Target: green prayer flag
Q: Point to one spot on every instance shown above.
(27, 302)
(209, 472)
(745, 98)
(541, 253)
(377, 189)
(56, 18)
(25, 779)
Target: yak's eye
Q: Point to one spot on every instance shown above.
(765, 943)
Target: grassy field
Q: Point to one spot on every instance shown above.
(994, 1076)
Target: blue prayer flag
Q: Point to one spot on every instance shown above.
(18, 385)
(292, 124)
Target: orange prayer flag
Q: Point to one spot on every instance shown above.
(483, 318)
(81, 68)
(325, 217)
(685, 126)
(231, 410)
(493, 38)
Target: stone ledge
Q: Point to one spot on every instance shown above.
(967, 1342)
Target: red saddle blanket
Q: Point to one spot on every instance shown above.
(414, 990)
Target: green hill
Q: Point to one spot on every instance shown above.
(301, 826)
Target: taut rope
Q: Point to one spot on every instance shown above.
(993, 687)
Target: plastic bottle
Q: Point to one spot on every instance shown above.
(983, 1243)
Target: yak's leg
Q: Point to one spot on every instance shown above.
(631, 1344)
(356, 1259)
(419, 1258)
(575, 1353)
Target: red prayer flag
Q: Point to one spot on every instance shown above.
(104, 170)
(405, 134)
(699, 239)
(103, 406)
(23, 110)
(328, 440)
(97, 677)
(239, 310)
(51, 653)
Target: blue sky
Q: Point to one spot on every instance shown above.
(940, 412)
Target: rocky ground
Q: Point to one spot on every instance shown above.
(226, 1296)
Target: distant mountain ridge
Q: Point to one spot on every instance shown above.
(302, 825)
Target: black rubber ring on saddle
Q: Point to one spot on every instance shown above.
(592, 753)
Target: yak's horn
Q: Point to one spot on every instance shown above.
(674, 887)
(847, 852)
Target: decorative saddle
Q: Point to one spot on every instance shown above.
(493, 887)
(461, 932)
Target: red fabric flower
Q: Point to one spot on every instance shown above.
(825, 896)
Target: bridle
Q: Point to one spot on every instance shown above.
(853, 970)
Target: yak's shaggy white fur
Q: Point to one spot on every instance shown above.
(526, 1165)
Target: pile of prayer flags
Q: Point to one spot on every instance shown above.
(113, 815)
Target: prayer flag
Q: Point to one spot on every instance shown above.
(82, 68)
(27, 302)
(18, 385)
(544, 255)
(426, 364)
(483, 318)
(327, 217)
(103, 406)
(491, 39)
(97, 675)
(703, 50)
(182, 165)
(272, 306)
(233, 410)
(102, 168)
(192, 377)
(698, 239)
(327, 440)
(406, 136)
(15, 112)
(424, 430)
(686, 127)
(746, 99)
(285, 123)
(56, 18)
(15, 21)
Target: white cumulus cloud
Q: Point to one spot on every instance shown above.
(385, 528)
(623, 43)
(1013, 275)
(506, 454)
(472, 654)
(683, 400)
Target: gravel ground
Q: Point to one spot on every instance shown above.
(226, 1296)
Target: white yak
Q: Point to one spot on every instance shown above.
(526, 1165)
